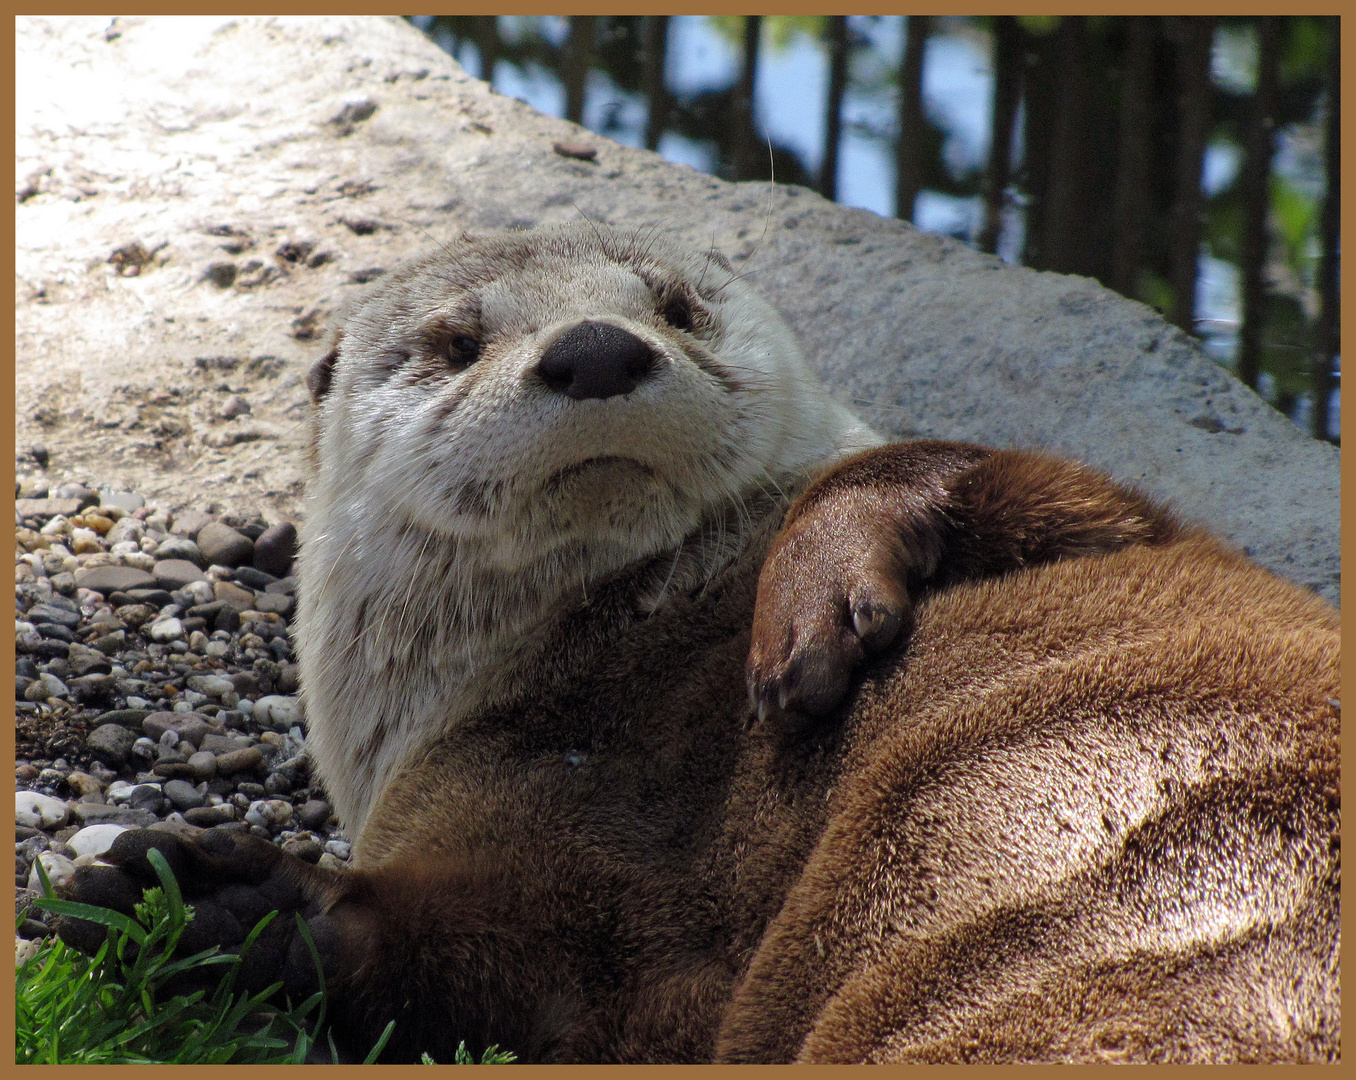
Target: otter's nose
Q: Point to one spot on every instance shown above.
(596, 360)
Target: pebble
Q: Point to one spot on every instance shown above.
(176, 573)
(271, 814)
(222, 545)
(83, 783)
(236, 761)
(111, 743)
(275, 549)
(150, 694)
(282, 712)
(166, 630)
(59, 870)
(179, 549)
(183, 795)
(111, 579)
(38, 811)
(202, 766)
(95, 839)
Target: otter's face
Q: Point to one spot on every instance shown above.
(532, 390)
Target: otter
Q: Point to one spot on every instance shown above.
(676, 718)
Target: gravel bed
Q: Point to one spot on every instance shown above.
(154, 683)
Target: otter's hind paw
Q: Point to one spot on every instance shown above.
(231, 881)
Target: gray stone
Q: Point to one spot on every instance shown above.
(126, 717)
(83, 495)
(176, 573)
(254, 579)
(180, 549)
(208, 816)
(50, 613)
(187, 727)
(304, 848)
(203, 764)
(87, 661)
(220, 544)
(314, 813)
(94, 813)
(277, 603)
(55, 687)
(111, 744)
(276, 548)
(111, 579)
(236, 761)
(129, 528)
(233, 596)
(271, 814)
(213, 686)
(223, 744)
(46, 508)
(182, 795)
(189, 522)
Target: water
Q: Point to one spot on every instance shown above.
(789, 94)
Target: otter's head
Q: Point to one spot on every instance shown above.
(573, 384)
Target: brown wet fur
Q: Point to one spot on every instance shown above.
(1080, 803)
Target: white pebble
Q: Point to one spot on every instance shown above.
(201, 591)
(24, 950)
(139, 560)
(59, 870)
(167, 630)
(57, 526)
(39, 811)
(95, 839)
(280, 711)
(269, 812)
(340, 849)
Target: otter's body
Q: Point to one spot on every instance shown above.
(1032, 771)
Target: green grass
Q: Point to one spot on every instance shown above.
(73, 1009)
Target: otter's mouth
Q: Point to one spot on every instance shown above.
(608, 463)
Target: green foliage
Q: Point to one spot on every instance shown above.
(114, 1007)
(1039, 25)
(1295, 216)
(778, 30)
(492, 1056)
(111, 1009)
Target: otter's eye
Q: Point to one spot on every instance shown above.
(677, 312)
(462, 351)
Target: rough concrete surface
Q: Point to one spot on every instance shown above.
(196, 195)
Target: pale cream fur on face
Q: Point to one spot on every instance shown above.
(453, 512)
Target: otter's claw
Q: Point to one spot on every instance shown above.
(831, 594)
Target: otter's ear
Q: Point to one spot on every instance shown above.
(720, 260)
(322, 371)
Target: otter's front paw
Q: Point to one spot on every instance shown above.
(832, 592)
(231, 881)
